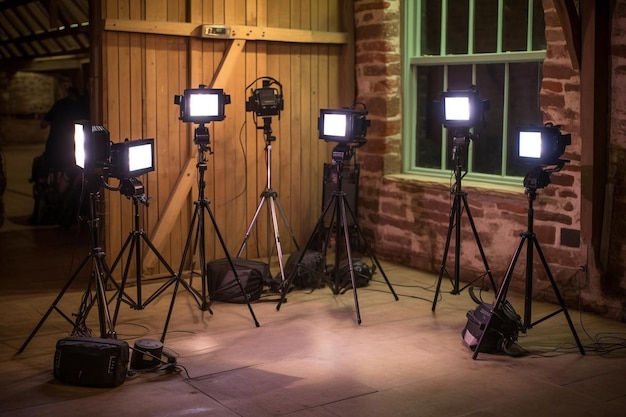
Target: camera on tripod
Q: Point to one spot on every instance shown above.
(266, 101)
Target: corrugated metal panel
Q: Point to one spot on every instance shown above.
(32, 29)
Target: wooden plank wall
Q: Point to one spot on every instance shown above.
(142, 72)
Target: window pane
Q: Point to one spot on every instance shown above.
(428, 135)
(459, 77)
(486, 26)
(488, 146)
(457, 27)
(493, 149)
(524, 87)
(515, 26)
(539, 36)
(431, 27)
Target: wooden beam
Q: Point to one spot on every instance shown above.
(275, 34)
(185, 180)
(594, 117)
(226, 67)
(570, 22)
(173, 207)
(155, 28)
(233, 32)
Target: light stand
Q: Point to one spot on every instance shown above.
(340, 208)
(133, 244)
(460, 144)
(96, 291)
(202, 204)
(271, 197)
(530, 238)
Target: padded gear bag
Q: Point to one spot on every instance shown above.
(503, 329)
(91, 361)
(309, 273)
(223, 285)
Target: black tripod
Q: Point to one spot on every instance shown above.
(96, 291)
(197, 229)
(531, 239)
(133, 244)
(459, 147)
(271, 197)
(339, 220)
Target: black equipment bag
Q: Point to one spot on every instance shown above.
(309, 273)
(362, 275)
(91, 361)
(503, 329)
(223, 285)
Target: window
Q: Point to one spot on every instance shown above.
(497, 46)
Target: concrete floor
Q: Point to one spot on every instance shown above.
(308, 359)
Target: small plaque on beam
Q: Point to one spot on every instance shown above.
(215, 31)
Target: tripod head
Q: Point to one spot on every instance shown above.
(133, 188)
(539, 177)
(267, 130)
(341, 153)
(460, 143)
(202, 138)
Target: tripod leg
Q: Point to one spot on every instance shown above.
(320, 222)
(170, 310)
(369, 250)
(557, 293)
(122, 286)
(284, 217)
(53, 306)
(480, 246)
(101, 274)
(453, 216)
(279, 249)
(206, 297)
(165, 264)
(179, 279)
(501, 295)
(232, 265)
(252, 223)
(190, 234)
(344, 225)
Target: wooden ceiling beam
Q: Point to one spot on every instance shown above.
(240, 32)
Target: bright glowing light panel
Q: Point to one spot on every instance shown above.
(530, 144)
(457, 108)
(204, 105)
(129, 159)
(79, 145)
(91, 145)
(140, 157)
(334, 125)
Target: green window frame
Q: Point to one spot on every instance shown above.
(498, 46)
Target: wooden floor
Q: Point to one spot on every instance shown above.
(310, 358)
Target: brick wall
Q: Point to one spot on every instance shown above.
(25, 98)
(614, 281)
(407, 219)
